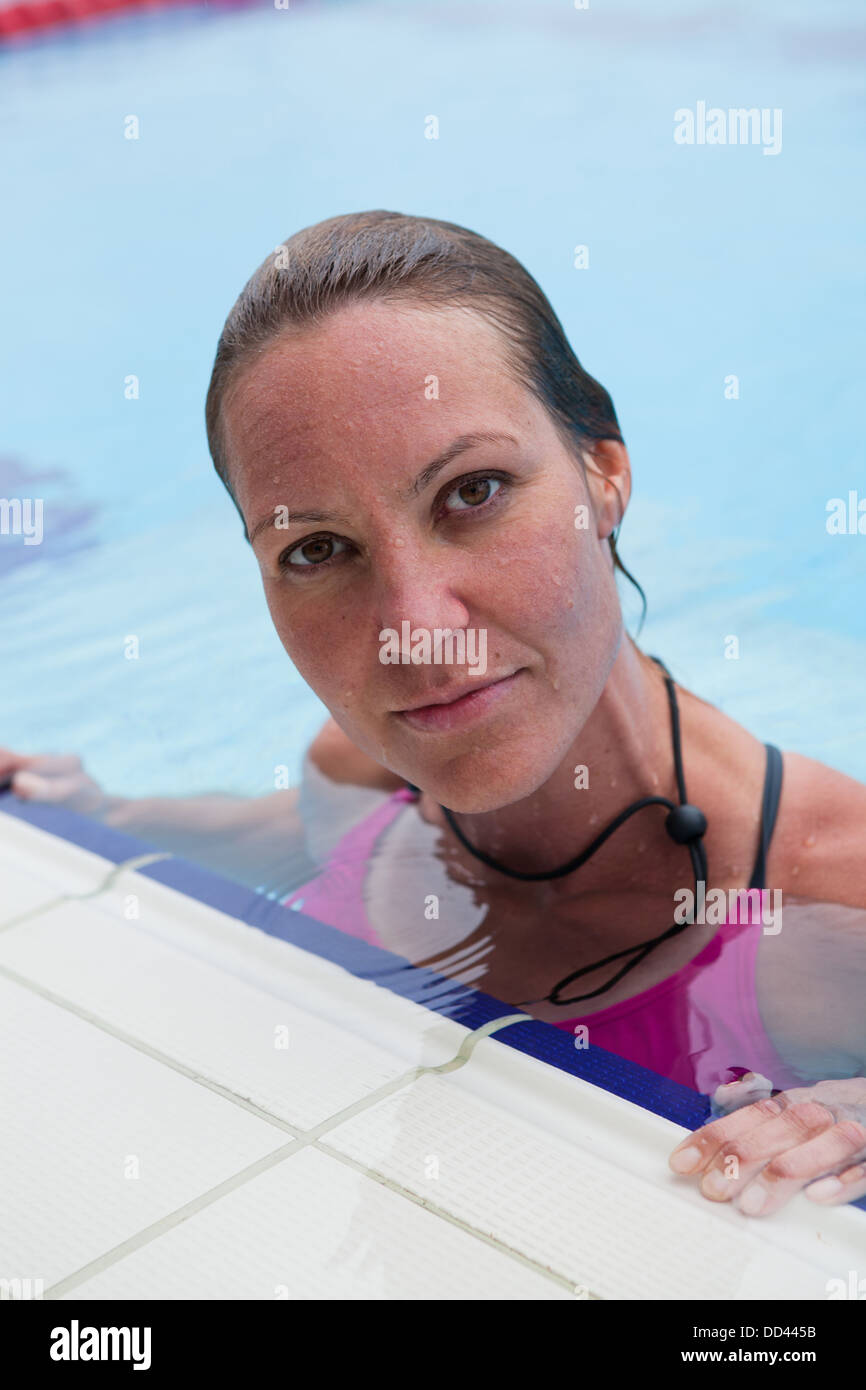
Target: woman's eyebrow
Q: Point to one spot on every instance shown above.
(458, 446)
(423, 479)
(316, 517)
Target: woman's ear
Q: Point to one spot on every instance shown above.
(608, 476)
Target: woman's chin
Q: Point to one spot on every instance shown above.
(481, 788)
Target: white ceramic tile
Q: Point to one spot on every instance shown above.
(21, 894)
(79, 1110)
(622, 1235)
(314, 1228)
(409, 1030)
(37, 866)
(565, 1174)
(636, 1143)
(294, 1065)
(418, 1034)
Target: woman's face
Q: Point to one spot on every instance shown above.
(391, 471)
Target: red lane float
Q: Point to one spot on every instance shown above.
(44, 14)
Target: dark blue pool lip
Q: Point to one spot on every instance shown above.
(612, 1073)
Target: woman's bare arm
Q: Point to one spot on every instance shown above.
(338, 758)
(248, 838)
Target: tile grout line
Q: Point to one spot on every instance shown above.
(460, 1222)
(301, 1138)
(139, 1045)
(307, 1139)
(139, 861)
(174, 1218)
(232, 1097)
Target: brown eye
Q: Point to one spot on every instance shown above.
(318, 550)
(473, 493)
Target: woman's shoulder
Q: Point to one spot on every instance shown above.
(818, 848)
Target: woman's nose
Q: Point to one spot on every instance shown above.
(420, 589)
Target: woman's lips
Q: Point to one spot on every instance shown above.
(461, 711)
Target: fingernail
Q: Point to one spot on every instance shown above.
(685, 1160)
(825, 1187)
(753, 1200)
(716, 1185)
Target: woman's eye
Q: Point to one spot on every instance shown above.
(312, 553)
(473, 493)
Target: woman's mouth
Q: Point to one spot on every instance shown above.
(468, 702)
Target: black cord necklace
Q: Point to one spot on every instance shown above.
(685, 824)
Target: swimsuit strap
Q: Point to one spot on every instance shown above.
(769, 808)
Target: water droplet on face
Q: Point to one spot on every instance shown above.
(399, 541)
(570, 603)
(556, 685)
(809, 841)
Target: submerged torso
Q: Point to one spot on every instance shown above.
(722, 993)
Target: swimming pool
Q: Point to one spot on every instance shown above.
(555, 130)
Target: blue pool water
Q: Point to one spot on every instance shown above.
(123, 257)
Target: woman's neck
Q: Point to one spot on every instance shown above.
(625, 746)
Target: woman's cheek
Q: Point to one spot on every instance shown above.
(556, 598)
(305, 638)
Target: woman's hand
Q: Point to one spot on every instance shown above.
(59, 778)
(761, 1154)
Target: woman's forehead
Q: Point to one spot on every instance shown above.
(378, 383)
(373, 349)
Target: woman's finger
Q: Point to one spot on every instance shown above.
(740, 1159)
(54, 764)
(32, 786)
(697, 1150)
(846, 1186)
(46, 764)
(828, 1153)
(11, 762)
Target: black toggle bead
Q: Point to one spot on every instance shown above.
(685, 823)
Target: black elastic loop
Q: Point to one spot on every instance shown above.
(694, 843)
(573, 864)
(769, 809)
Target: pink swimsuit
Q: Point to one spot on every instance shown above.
(691, 1027)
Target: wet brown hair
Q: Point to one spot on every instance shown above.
(391, 256)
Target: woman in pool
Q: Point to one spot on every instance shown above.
(413, 448)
